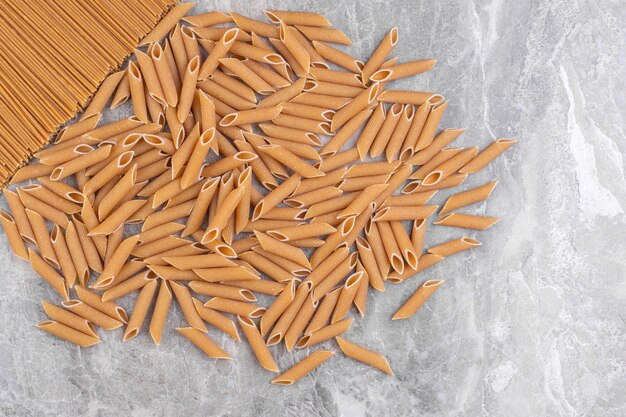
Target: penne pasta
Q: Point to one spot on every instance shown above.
(139, 311)
(235, 307)
(415, 301)
(276, 196)
(346, 297)
(404, 97)
(217, 320)
(302, 368)
(487, 155)
(67, 333)
(404, 243)
(367, 257)
(62, 254)
(159, 315)
(323, 334)
(183, 296)
(454, 246)
(220, 50)
(282, 249)
(69, 319)
(472, 196)
(418, 232)
(203, 342)
(425, 261)
(402, 70)
(278, 307)
(366, 356)
(466, 221)
(404, 213)
(42, 238)
(223, 291)
(288, 316)
(13, 235)
(257, 344)
(300, 321)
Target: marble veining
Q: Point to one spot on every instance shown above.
(530, 324)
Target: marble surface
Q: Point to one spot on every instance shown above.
(530, 324)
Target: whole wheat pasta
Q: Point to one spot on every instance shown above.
(208, 36)
(117, 193)
(69, 319)
(301, 232)
(334, 76)
(288, 316)
(293, 122)
(324, 333)
(150, 77)
(62, 254)
(450, 166)
(278, 307)
(338, 57)
(334, 277)
(188, 89)
(404, 213)
(243, 245)
(221, 49)
(77, 129)
(360, 223)
(84, 161)
(324, 311)
(208, 19)
(404, 97)
(307, 111)
(344, 135)
(190, 42)
(260, 286)
(13, 235)
(300, 321)
(403, 70)
(296, 18)
(203, 342)
(362, 201)
(224, 212)
(102, 96)
(256, 26)
(139, 311)
(119, 257)
(193, 171)
(418, 232)
(399, 133)
(317, 61)
(323, 100)
(217, 320)
(235, 307)
(267, 73)
(366, 356)
(112, 242)
(19, 216)
(366, 255)
(338, 159)
(292, 267)
(42, 238)
(109, 172)
(283, 249)
(159, 315)
(251, 116)
(76, 251)
(68, 333)
(166, 193)
(332, 89)
(167, 215)
(454, 246)
(261, 171)
(418, 299)
(222, 274)
(220, 94)
(185, 250)
(223, 291)
(160, 245)
(62, 190)
(167, 23)
(365, 169)
(122, 94)
(360, 298)
(311, 184)
(381, 53)
(117, 217)
(404, 243)
(290, 60)
(157, 233)
(283, 95)
(441, 157)
(290, 160)
(185, 301)
(330, 206)
(330, 218)
(394, 182)
(233, 85)
(302, 368)
(301, 150)
(170, 273)
(361, 102)
(291, 134)
(346, 297)
(184, 151)
(386, 130)
(324, 34)
(129, 285)
(378, 249)
(465, 198)
(246, 75)
(419, 187)
(272, 270)
(257, 344)
(276, 196)
(294, 46)
(466, 221)
(313, 197)
(91, 314)
(264, 225)
(31, 171)
(487, 155)
(63, 155)
(361, 183)
(409, 147)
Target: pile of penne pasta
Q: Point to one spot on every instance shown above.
(237, 169)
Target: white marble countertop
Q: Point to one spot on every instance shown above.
(530, 324)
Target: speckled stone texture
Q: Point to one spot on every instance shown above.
(530, 324)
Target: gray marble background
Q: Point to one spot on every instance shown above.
(530, 324)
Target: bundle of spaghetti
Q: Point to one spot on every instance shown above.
(237, 167)
(54, 57)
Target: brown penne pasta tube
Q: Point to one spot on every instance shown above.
(251, 116)
(289, 315)
(221, 274)
(302, 368)
(159, 315)
(67, 333)
(487, 155)
(472, 196)
(425, 261)
(278, 307)
(221, 49)
(466, 221)
(346, 297)
(367, 257)
(260, 286)
(454, 246)
(402, 70)
(217, 320)
(45, 210)
(69, 319)
(13, 235)
(235, 307)
(203, 342)
(418, 299)
(139, 311)
(323, 334)
(366, 356)
(257, 344)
